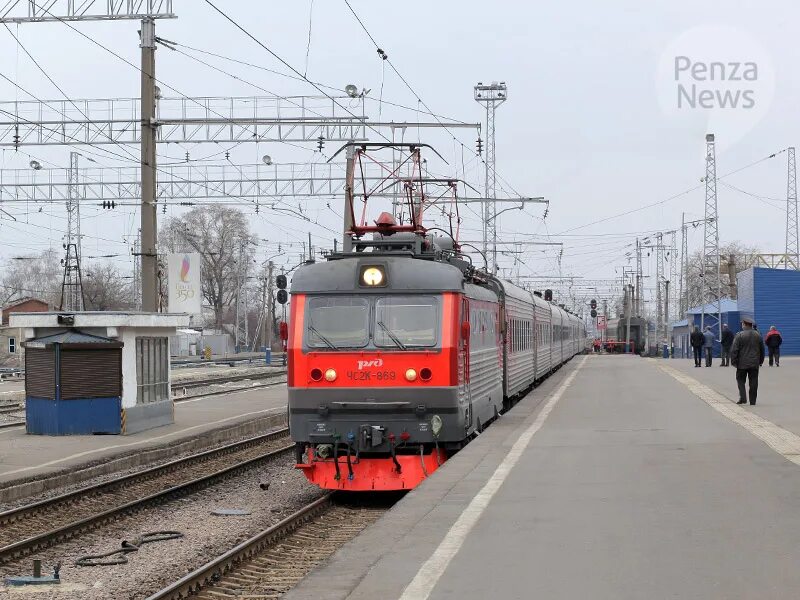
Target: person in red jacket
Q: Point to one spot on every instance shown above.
(774, 341)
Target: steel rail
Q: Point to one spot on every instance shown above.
(23, 547)
(194, 581)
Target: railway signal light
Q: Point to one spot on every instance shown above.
(593, 313)
(280, 281)
(282, 296)
(593, 304)
(548, 295)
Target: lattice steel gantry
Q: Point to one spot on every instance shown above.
(492, 96)
(712, 282)
(792, 247)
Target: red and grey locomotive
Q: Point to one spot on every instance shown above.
(400, 351)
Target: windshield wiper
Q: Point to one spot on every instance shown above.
(325, 340)
(391, 335)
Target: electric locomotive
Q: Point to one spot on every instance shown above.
(400, 352)
(377, 364)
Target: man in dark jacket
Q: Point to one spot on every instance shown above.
(747, 355)
(696, 340)
(774, 341)
(726, 342)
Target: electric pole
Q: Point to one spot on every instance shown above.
(268, 306)
(492, 96)
(72, 284)
(712, 282)
(349, 191)
(660, 329)
(148, 151)
(792, 249)
(137, 271)
(684, 278)
(639, 278)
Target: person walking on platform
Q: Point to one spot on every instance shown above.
(726, 342)
(774, 341)
(747, 355)
(708, 344)
(696, 340)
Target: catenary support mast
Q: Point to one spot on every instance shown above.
(792, 249)
(712, 282)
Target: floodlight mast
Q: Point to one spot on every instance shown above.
(492, 96)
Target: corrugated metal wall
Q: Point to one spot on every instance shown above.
(40, 373)
(745, 283)
(777, 300)
(91, 373)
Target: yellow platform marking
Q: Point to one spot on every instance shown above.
(784, 442)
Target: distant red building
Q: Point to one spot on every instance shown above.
(10, 350)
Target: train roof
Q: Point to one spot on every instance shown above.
(403, 273)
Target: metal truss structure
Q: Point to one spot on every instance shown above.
(792, 246)
(29, 11)
(183, 182)
(712, 280)
(491, 96)
(195, 120)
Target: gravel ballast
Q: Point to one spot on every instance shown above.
(158, 564)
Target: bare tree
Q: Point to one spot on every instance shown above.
(105, 287)
(744, 258)
(38, 276)
(221, 235)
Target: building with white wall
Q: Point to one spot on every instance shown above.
(144, 388)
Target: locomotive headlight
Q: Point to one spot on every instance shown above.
(330, 375)
(411, 374)
(436, 424)
(373, 276)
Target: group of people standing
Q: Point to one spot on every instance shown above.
(745, 351)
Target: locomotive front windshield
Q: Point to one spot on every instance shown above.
(400, 322)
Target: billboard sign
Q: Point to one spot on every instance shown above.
(185, 294)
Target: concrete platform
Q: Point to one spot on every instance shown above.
(619, 478)
(53, 461)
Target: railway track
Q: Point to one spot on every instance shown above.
(228, 379)
(272, 562)
(48, 522)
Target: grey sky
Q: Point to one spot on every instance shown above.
(583, 125)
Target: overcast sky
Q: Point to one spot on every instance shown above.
(592, 121)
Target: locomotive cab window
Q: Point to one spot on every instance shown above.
(337, 322)
(403, 321)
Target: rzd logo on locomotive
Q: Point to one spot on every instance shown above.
(365, 364)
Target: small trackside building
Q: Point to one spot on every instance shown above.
(772, 297)
(681, 330)
(97, 372)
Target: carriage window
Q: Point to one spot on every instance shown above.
(337, 322)
(410, 320)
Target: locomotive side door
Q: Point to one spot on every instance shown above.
(465, 332)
